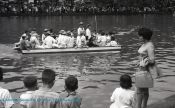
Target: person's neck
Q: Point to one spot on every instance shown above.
(145, 41)
(31, 89)
(46, 87)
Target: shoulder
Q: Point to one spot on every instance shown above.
(4, 91)
(40, 93)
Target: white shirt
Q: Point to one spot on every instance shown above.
(80, 30)
(88, 33)
(25, 98)
(70, 42)
(62, 41)
(5, 95)
(78, 41)
(122, 98)
(49, 41)
(34, 41)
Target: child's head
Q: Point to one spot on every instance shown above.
(30, 82)
(1, 74)
(48, 77)
(125, 81)
(112, 38)
(71, 83)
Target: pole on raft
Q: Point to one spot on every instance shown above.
(96, 23)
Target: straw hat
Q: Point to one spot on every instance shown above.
(24, 35)
(45, 30)
(61, 31)
(81, 23)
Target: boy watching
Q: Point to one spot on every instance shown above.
(44, 97)
(30, 82)
(71, 99)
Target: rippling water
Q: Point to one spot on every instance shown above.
(16, 66)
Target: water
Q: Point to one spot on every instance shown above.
(93, 69)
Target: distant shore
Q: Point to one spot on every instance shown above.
(77, 14)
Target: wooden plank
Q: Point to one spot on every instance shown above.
(71, 50)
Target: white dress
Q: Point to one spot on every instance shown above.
(122, 98)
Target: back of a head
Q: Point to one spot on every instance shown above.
(71, 83)
(30, 81)
(48, 76)
(125, 81)
(1, 74)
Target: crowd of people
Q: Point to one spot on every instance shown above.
(58, 9)
(82, 37)
(122, 97)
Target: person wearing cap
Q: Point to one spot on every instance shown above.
(34, 41)
(49, 41)
(80, 28)
(44, 35)
(62, 40)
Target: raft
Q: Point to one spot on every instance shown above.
(71, 50)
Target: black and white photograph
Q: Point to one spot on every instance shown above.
(87, 54)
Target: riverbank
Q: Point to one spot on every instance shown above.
(84, 14)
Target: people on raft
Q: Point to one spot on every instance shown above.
(80, 28)
(68, 39)
(24, 43)
(49, 41)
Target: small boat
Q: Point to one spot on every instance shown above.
(71, 50)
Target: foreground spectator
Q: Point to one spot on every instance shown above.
(45, 97)
(5, 97)
(123, 97)
(71, 99)
(30, 82)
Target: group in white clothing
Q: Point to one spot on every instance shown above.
(69, 39)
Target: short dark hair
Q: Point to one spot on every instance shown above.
(125, 81)
(145, 33)
(48, 76)
(112, 38)
(1, 74)
(30, 81)
(71, 83)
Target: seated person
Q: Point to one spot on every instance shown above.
(49, 41)
(30, 82)
(62, 40)
(92, 42)
(5, 95)
(113, 42)
(70, 99)
(34, 41)
(24, 43)
(71, 40)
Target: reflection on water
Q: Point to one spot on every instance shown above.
(16, 66)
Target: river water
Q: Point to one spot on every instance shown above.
(91, 68)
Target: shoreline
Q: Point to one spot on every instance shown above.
(83, 14)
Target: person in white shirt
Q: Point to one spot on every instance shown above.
(44, 35)
(34, 41)
(62, 40)
(88, 32)
(123, 97)
(112, 42)
(7, 101)
(80, 29)
(71, 40)
(30, 82)
(49, 41)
